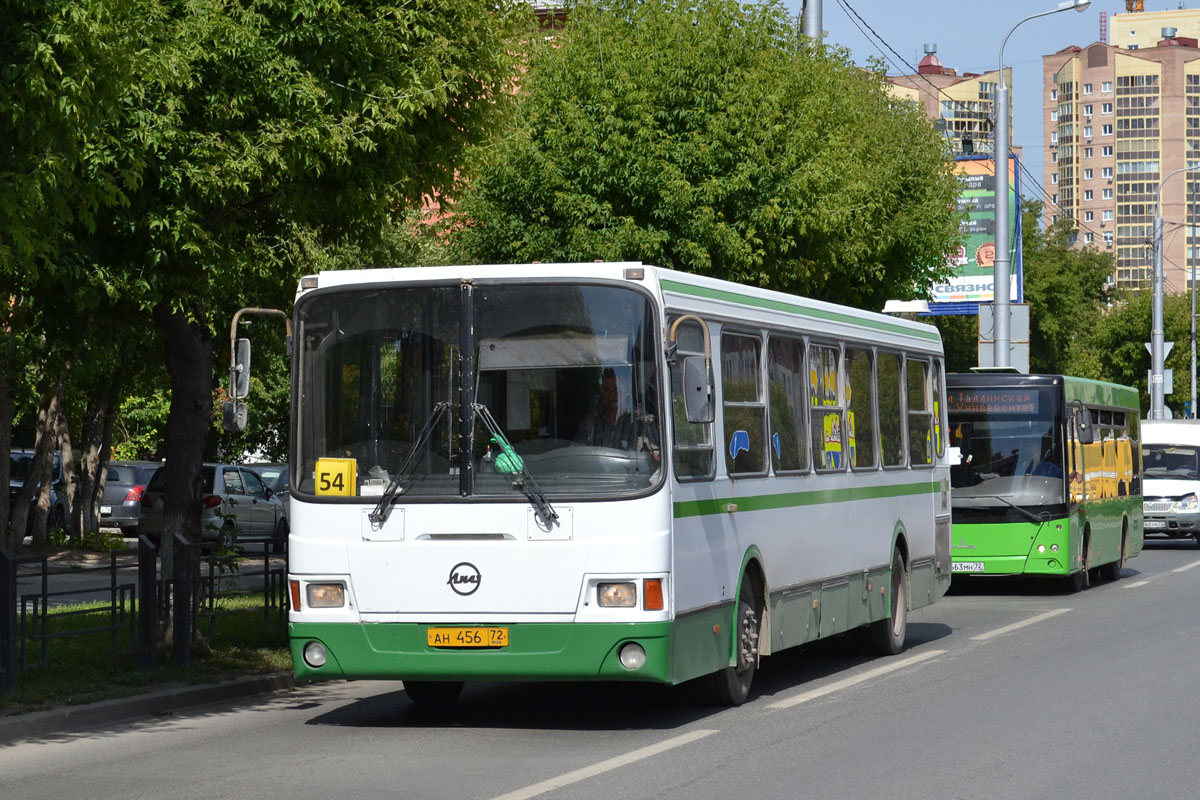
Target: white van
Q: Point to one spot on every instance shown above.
(1171, 478)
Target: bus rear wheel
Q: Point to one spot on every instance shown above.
(731, 686)
(432, 694)
(1112, 570)
(885, 637)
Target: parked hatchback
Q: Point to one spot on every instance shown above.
(121, 502)
(236, 506)
(20, 462)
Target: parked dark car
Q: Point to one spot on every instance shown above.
(20, 460)
(237, 506)
(121, 502)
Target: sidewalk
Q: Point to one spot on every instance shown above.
(68, 719)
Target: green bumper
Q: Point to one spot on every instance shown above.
(536, 651)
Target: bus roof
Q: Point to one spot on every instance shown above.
(1083, 390)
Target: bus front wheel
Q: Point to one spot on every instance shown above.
(432, 694)
(885, 637)
(731, 686)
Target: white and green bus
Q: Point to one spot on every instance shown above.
(603, 471)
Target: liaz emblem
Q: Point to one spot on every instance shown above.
(464, 578)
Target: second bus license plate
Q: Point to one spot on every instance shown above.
(467, 637)
(967, 566)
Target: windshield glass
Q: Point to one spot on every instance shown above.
(568, 373)
(1010, 440)
(1171, 462)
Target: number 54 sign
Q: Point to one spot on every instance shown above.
(335, 476)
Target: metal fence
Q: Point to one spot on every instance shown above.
(136, 595)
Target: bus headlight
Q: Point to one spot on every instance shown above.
(616, 595)
(1187, 503)
(326, 595)
(315, 654)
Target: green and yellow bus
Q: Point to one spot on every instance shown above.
(1045, 476)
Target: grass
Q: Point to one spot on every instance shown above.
(84, 668)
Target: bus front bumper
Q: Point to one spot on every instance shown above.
(536, 651)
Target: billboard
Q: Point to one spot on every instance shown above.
(974, 263)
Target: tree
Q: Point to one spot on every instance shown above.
(1066, 289)
(713, 138)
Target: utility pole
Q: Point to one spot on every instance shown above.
(812, 19)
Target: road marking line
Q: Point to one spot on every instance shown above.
(1186, 567)
(1017, 625)
(604, 766)
(1135, 584)
(848, 682)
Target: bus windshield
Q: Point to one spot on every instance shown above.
(565, 380)
(1011, 453)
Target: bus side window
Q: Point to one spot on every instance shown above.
(826, 411)
(920, 413)
(742, 406)
(693, 448)
(891, 399)
(787, 398)
(860, 408)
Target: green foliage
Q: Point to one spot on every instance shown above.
(1065, 289)
(713, 138)
(95, 542)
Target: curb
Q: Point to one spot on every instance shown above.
(69, 719)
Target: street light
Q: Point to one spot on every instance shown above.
(1157, 356)
(1002, 270)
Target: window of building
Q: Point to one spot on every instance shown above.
(1054, 178)
(1054, 94)
(1087, 88)
(1087, 152)
(1087, 238)
(1106, 194)
(1106, 151)
(1053, 219)
(1054, 197)
(1106, 108)
(1087, 195)
(1132, 47)
(1107, 215)
(1106, 172)
(1088, 216)
(1054, 137)
(1108, 237)
(1054, 157)
(1087, 174)
(1054, 116)
(1087, 131)
(1106, 86)
(1087, 110)
(1106, 130)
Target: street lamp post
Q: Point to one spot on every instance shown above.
(1157, 354)
(1002, 269)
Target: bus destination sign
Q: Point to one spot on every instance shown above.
(993, 401)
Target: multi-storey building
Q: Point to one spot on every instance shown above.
(1117, 119)
(961, 106)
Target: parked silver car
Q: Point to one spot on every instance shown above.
(277, 477)
(236, 506)
(121, 502)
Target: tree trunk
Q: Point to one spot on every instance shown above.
(6, 419)
(70, 478)
(189, 361)
(94, 449)
(39, 478)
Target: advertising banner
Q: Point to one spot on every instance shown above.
(975, 260)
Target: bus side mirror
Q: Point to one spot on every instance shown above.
(1083, 426)
(241, 370)
(233, 416)
(698, 389)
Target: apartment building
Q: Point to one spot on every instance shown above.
(1118, 118)
(962, 107)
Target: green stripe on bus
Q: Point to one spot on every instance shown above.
(825, 315)
(766, 502)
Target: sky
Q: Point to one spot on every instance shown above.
(968, 34)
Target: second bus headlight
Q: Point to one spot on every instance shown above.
(616, 595)
(326, 595)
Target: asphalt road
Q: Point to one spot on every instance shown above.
(1007, 690)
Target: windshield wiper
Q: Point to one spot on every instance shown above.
(384, 507)
(1038, 518)
(509, 462)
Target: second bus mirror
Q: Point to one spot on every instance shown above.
(233, 416)
(1083, 426)
(698, 390)
(241, 370)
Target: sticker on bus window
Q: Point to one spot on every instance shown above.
(336, 476)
